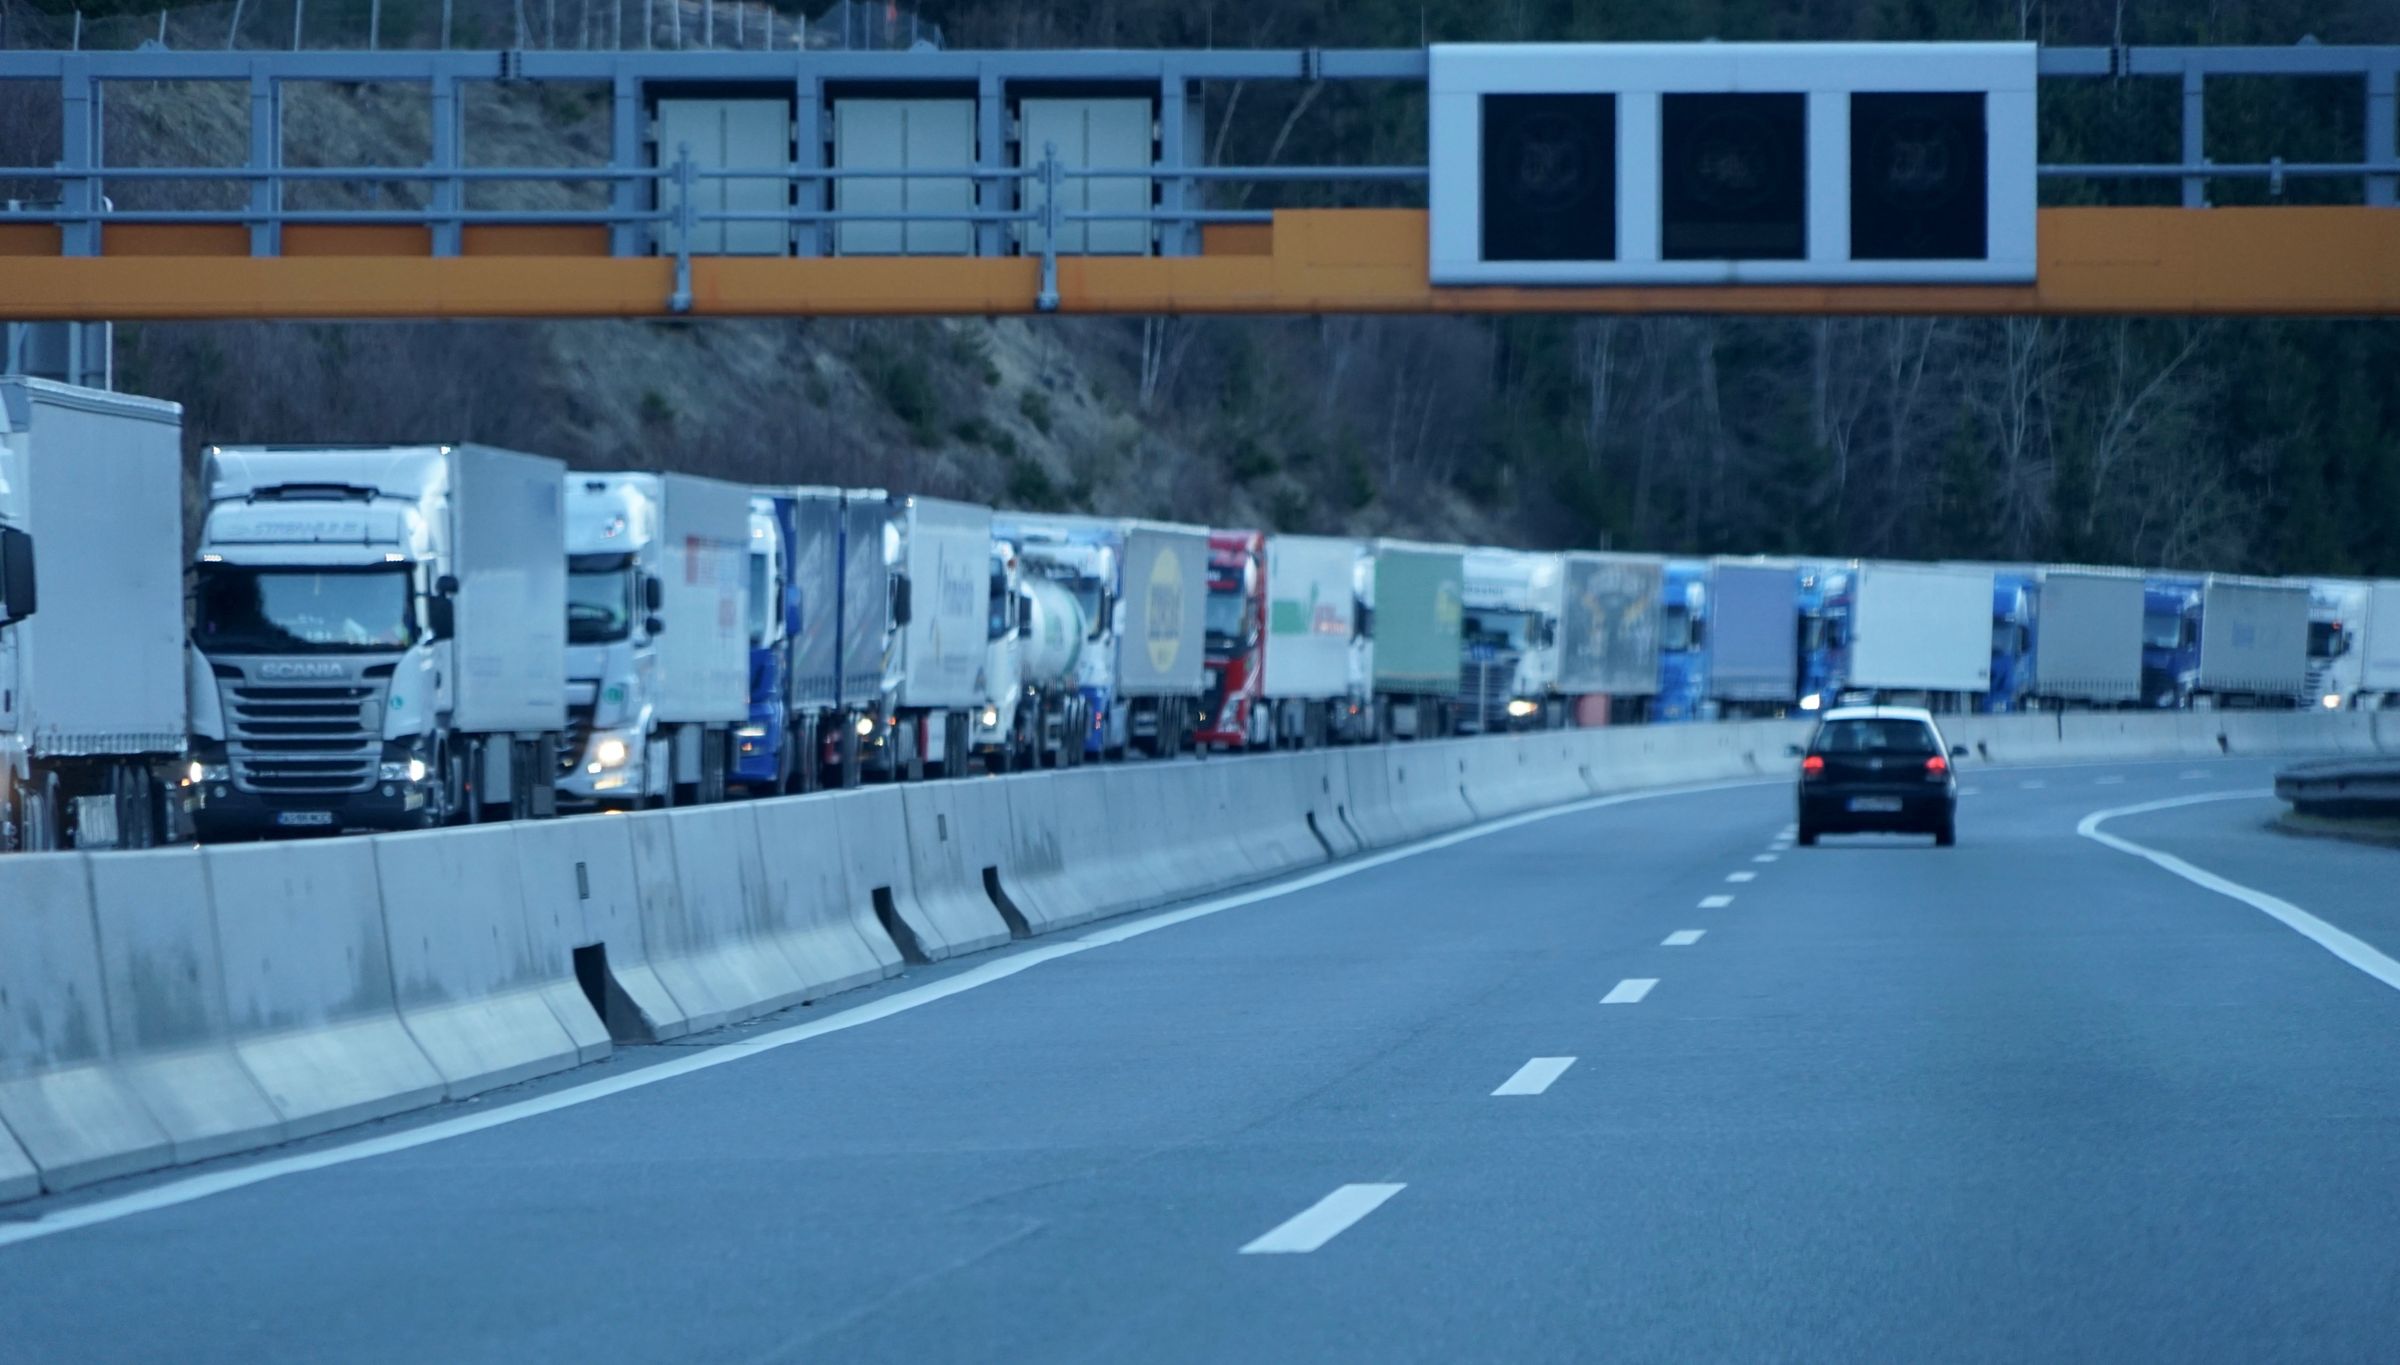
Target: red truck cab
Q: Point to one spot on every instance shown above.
(1236, 637)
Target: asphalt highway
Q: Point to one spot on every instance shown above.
(1638, 1082)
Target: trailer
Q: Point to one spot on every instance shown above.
(1417, 609)
(1610, 627)
(1918, 632)
(1311, 619)
(93, 707)
(2379, 645)
(939, 553)
(1753, 620)
(2253, 642)
(2086, 646)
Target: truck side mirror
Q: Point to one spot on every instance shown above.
(1958, 751)
(17, 596)
(446, 585)
(441, 616)
(1792, 751)
(654, 626)
(1024, 608)
(654, 593)
(901, 612)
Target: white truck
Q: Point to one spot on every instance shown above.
(939, 555)
(380, 635)
(1508, 641)
(92, 700)
(2087, 637)
(2337, 663)
(657, 648)
(1312, 617)
(1034, 713)
(1611, 628)
(2379, 645)
(1917, 632)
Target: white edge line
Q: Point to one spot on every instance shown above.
(2341, 944)
(1535, 1076)
(187, 1189)
(1322, 1221)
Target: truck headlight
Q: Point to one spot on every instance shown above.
(199, 773)
(866, 726)
(2333, 701)
(610, 752)
(1811, 702)
(413, 770)
(1520, 708)
(991, 716)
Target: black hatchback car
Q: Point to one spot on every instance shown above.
(1878, 769)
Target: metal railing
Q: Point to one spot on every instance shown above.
(1015, 201)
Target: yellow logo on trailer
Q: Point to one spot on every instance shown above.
(1165, 635)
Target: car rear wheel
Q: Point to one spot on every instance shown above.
(1808, 837)
(1945, 834)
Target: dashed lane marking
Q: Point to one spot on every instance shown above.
(1682, 938)
(1629, 991)
(1322, 1221)
(1535, 1076)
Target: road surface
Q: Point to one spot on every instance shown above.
(1639, 1082)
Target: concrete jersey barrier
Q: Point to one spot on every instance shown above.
(580, 891)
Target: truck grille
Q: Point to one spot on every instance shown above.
(578, 735)
(1483, 691)
(306, 737)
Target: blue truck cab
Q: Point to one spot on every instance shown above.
(1683, 644)
(762, 757)
(2013, 643)
(2170, 639)
(1825, 599)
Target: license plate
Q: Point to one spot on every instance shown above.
(317, 819)
(1874, 805)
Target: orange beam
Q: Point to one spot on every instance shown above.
(2144, 261)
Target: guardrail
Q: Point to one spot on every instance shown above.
(2343, 789)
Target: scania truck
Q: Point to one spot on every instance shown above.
(379, 638)
(92, 700)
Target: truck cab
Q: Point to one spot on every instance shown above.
(2012, 644)
(613, 753)
(1232, 710)
(2170, 640)
(1082, 561)
(1683, 645)
(763, 749)
(1824, 643)
(1508, 641)
(2336, 665)
(344, 677)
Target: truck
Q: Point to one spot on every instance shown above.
(1508, 641)
(379, 638)
(2337, 611)
(2011, 688)
(2223, 640)
(657, 637)
(1609, 630)
(93, 716)
(1752, 637)
(767, 749)
(1143, 586)
(1683, 645)
(2084, 648)
(1279, 625)
(939, 557)
(1914, 633)
(1034, 713)
(2379, 649)
(1415, 618)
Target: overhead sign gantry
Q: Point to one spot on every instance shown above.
(1749, 178)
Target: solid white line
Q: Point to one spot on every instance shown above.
(2035, 784)
(1629, 991)
(1970, 791)
(1535, 1076)
(2193, 776)
(2335, 941)
(1741, 876)
(1324, 1220)
(1715, 902)
(2112, 780)
(184, 1190)
(1683, 938)
(1762, 857)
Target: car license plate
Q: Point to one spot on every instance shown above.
(1874, 805)
(304, 818)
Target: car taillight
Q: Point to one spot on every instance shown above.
(1812, 766)
(1936, 766)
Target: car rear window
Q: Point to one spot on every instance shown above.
(1876, 737)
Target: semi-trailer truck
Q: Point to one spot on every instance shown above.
(1279, 624)
(2224, 640)
(1034, 712)
(2084, 648)
(1917, 633)
(1609, 630)
(1511, 602)
(2379, 646)
(1143, 587)
(2337, 610)
(766, 750)
(939, 556)
(380, 635)
(1683, 645)
(1752, 636)
(1415, 620)
(658, 642)
(93, 715)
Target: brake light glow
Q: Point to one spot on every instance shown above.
(1813, 766)
(1936, 766)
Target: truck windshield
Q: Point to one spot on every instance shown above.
(1226, 627)
(1675, 630)
(237, 609)
(2162, 630)
(1499, 629)
(762, 595)
(997, 626)
(599, 598)
(2324, 639)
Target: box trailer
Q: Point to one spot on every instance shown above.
(1608, 629)
(2087, 637)
(1753, 620)
(1919, 628)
